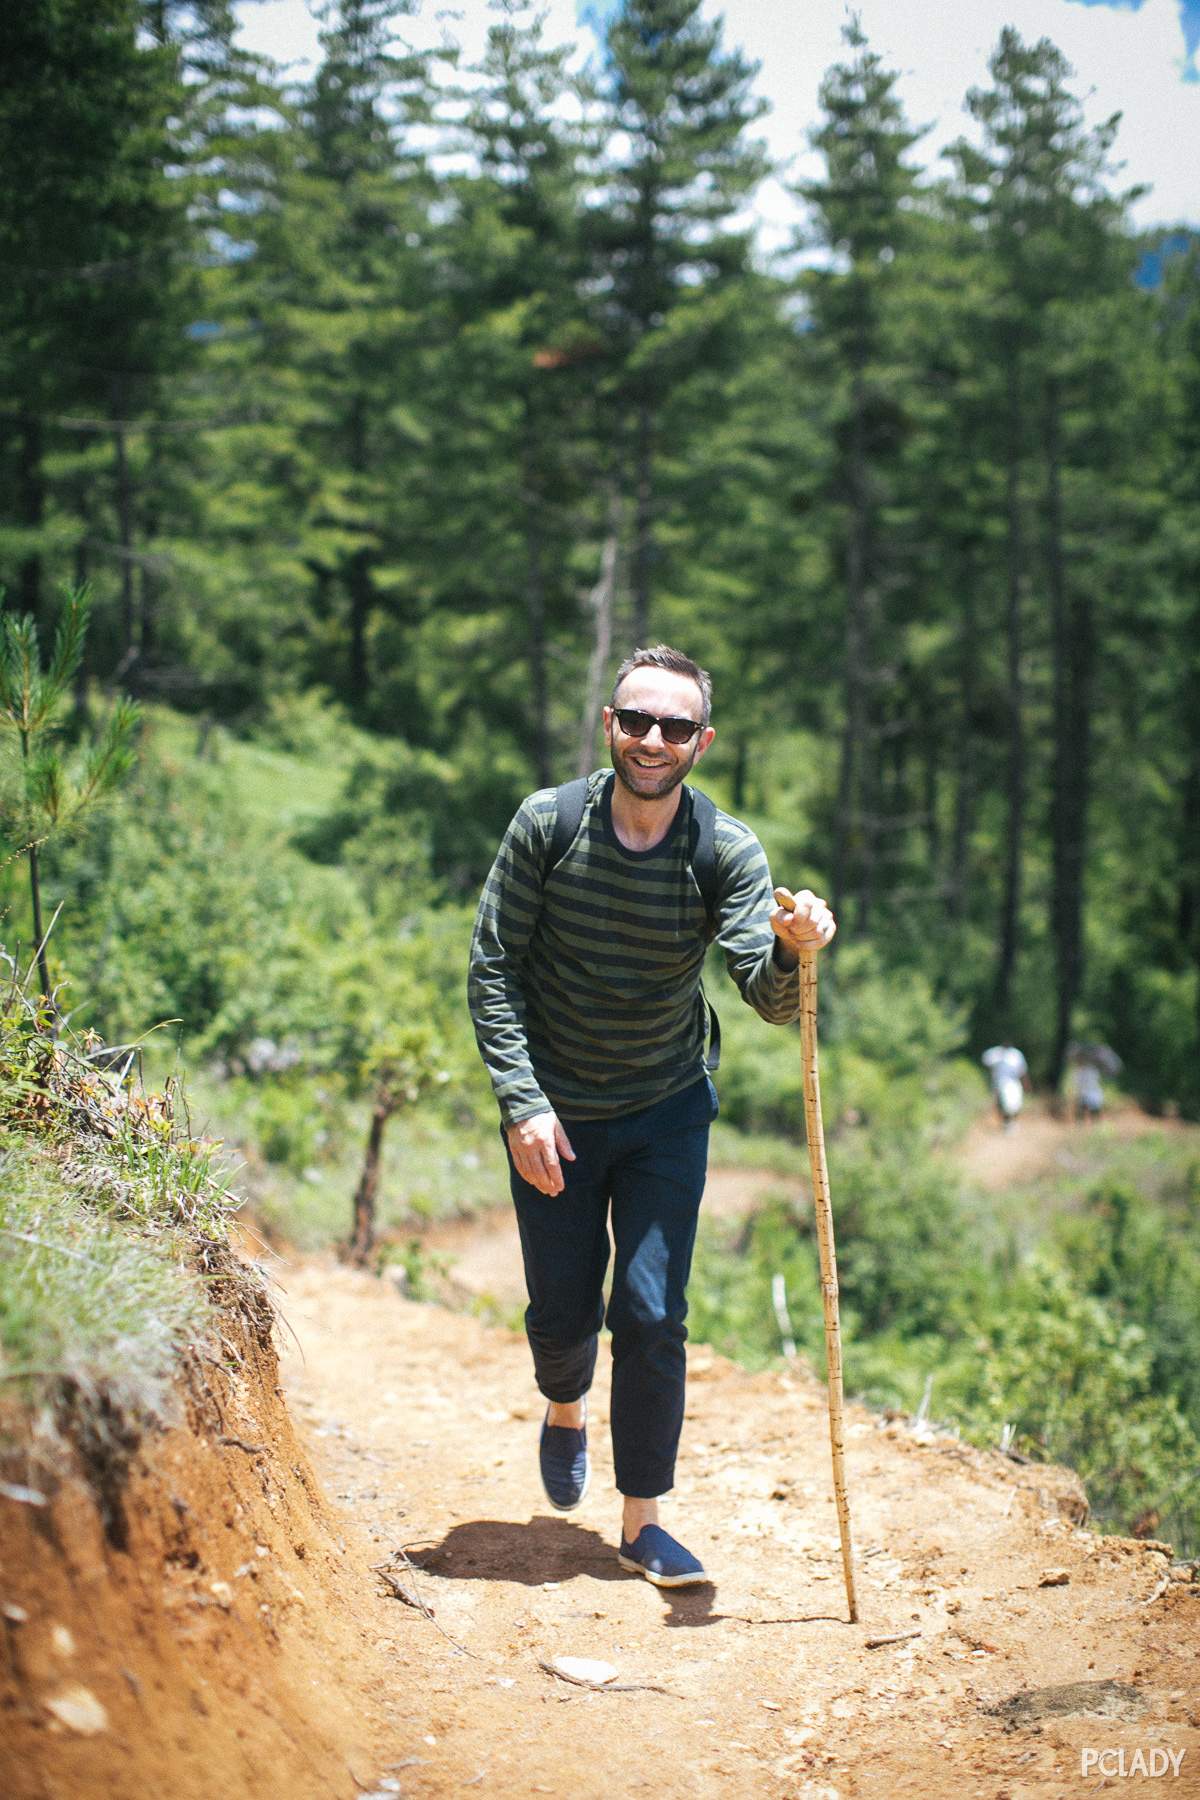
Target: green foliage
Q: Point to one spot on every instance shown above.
(113, 1224)
(85, 1302)
(41, 796)
(886, 1043)
(1076, 1382)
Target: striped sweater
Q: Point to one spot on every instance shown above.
(584, 984)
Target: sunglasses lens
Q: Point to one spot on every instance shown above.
(634, 724)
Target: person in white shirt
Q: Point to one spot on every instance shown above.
(1009, 1075)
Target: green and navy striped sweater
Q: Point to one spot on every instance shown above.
(584, 986)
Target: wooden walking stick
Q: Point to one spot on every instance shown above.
(823, 1214)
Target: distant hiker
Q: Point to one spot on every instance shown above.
(1009, 1073)
(1088, 1063)
(585, 993)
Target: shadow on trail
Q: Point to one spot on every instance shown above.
(548, 1549)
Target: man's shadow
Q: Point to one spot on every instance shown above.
(548, 1549)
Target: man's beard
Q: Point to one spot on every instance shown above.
(672, 774)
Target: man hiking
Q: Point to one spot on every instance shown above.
(585, 993)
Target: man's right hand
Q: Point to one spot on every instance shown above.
(536, 1145)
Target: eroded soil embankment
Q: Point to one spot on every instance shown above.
(192, 1634)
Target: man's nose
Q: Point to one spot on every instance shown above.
(655, 737)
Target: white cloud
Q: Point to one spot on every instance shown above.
(1125, 61)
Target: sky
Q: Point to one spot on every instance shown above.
(1137, 57)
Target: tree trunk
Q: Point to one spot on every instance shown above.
(1073, 634)
(31, 508)
(1010, 908)
(851, 856)
(362, 1240)
(600, 603)
(35, 894)
(741, 768)
(148, 571)
(964, 797)
(124, 500)
(535, 609)
(359, 584)
(643, 525)
(362, 596)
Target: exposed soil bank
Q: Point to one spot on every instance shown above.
(196, 1637)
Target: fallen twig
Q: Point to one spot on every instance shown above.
(608, 1687)
(237, 1443)
(1161, 1589)
(413, 1598)
(895, 1637)
(400, 1591)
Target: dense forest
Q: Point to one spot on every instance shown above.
(430, 389)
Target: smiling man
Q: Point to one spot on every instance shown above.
(585, 991)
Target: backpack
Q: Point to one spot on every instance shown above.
(570, 800)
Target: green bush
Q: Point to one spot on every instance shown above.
(886, 1054)
(1077, 1384)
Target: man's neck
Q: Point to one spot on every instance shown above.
(638, 823)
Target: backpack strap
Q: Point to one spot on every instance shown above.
(702, 851)
(569, 802)
(702, 854)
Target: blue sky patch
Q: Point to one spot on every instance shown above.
(1189, 14)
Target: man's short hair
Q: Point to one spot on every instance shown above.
(675, 663)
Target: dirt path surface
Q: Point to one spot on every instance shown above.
(422, 1424)
(1040, 1144)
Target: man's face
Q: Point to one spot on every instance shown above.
(649, 767)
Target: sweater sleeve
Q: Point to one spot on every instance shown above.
(744, 933)
(498, 965)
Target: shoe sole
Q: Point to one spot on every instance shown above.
(635, 1568)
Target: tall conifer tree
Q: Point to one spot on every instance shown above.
(670, 252)
(1039, 182)
(859, 210)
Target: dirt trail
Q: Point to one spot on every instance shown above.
(1042, 1144)
(423, 1423)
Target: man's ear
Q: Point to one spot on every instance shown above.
(705, 739)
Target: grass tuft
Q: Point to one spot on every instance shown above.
(114, 1246)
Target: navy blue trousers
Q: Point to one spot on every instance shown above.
(648, 1167)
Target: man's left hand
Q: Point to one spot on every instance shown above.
(801, 921)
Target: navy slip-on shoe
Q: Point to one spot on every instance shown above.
(563, 1461)
(655, 1554)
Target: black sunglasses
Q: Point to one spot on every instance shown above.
(636, 724)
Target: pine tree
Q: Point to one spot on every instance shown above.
(859, 211)
(1039, 182)
(670, 257)
(334, 300)
(43, 792)
(95, 241)
(518, 371)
